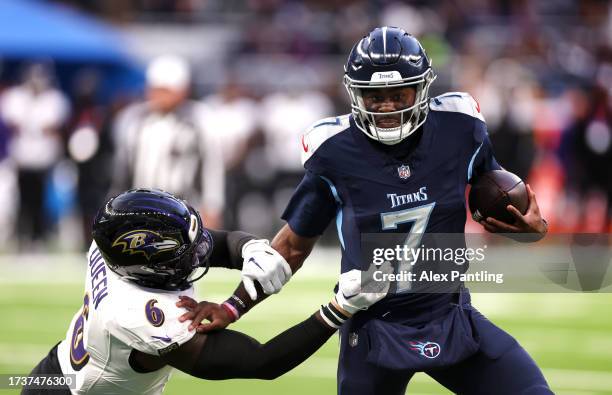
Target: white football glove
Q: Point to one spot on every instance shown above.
(358, 290)
(264, 264)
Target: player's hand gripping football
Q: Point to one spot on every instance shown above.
(264, 264)
(219, 318)
(358, 290)
(529, 223)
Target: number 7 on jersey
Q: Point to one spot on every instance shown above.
(419, 216)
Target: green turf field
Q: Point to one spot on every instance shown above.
(569, 335)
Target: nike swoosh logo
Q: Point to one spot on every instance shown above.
(257, 264)
(164, 339)
(305, 146)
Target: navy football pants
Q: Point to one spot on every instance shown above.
(491, 370)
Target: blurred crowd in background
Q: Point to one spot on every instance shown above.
(208, 98)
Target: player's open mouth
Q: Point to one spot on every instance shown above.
(387, 122)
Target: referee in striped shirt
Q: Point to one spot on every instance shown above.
(160, 143)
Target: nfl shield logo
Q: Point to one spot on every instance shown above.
(353, 339)
(403, 171)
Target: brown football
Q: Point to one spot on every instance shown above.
(493, 191)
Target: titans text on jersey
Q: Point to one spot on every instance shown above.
(400, 200)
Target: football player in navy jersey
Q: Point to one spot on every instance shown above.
(400, 162)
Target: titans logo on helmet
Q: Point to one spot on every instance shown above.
(146, 242)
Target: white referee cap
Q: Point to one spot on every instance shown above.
(169, 71)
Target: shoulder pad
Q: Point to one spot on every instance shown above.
(457, 102)
(321, 131)
(148, 321)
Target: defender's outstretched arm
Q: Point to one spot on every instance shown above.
(228, 354)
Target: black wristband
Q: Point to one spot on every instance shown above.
(337, 312)
(238, 304)
(332, 316)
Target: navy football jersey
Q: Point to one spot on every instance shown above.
(368, 191)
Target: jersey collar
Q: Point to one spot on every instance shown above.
(388, 162)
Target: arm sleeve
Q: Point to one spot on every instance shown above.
(483, 159)
(311, 207)
(227, 250)
(218, 361)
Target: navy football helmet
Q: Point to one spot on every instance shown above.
(153, 239)
(388, 57)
